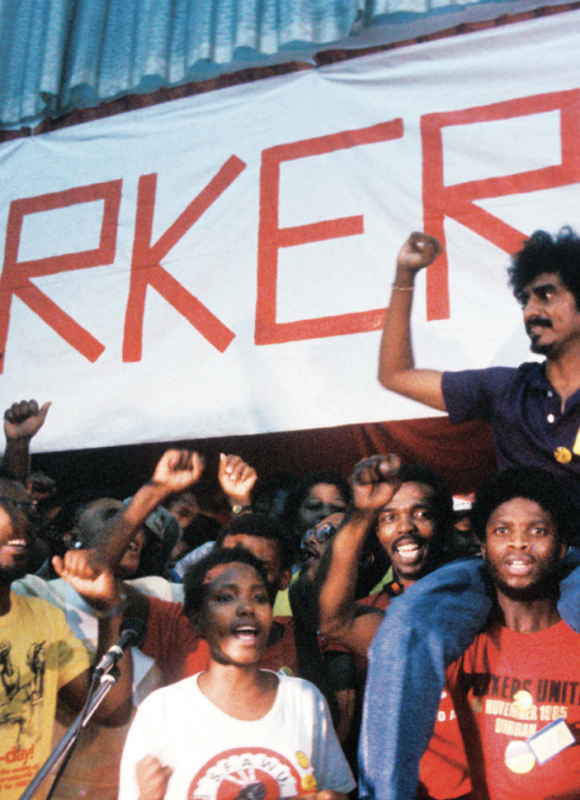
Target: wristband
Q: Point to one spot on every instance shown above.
(402, 288)
(238, 509)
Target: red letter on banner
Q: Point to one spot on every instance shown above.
(272, 238)
(459, 200)
(146, 266)
(16, 274)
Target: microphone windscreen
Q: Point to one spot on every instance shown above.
(136, 628)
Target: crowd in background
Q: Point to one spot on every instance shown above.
(286, 521)
(323, 616)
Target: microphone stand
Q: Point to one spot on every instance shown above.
(65, 747)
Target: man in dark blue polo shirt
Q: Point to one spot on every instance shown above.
(533, 410)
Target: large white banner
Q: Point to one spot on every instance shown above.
(221, 264)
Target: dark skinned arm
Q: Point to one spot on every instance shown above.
(374, 481)
(177, 470)
(397, 370)
(96, 585)
(22, 421)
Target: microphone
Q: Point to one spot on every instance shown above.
(131, 634)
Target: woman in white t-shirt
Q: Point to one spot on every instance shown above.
(234, 732)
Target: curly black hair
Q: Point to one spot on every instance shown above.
(545, 253)
(263, 527)
(194, 579)
(531, 483)
(440, 502)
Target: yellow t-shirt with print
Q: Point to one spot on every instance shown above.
(38, 655)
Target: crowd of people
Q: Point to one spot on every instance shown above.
(330, 629)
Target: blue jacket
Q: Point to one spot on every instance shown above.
(425, 629)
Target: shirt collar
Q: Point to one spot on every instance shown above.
(536, 377)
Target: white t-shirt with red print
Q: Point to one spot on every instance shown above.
(292, 750)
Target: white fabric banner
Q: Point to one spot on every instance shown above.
(221, 264)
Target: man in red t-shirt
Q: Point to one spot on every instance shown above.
(409, 508)
(517, 687)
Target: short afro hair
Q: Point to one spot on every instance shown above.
(441, 501)
(300, 492)
(532, 483)
(262, 527)
(544, 253)
(194, 579)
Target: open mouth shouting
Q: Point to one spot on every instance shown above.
(247, 633)
(18, 546)
(519, 565)
(15, 553)
(309, 555)
(410, 550)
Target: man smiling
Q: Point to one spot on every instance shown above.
(41, 662)
(533, 410)
(515, 689)
(406, 530)
(409, 507)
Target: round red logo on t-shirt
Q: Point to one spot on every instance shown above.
(246, 773)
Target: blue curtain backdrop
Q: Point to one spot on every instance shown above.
(57, 55)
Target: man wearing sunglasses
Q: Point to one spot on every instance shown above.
(314, 543)
(409, 508)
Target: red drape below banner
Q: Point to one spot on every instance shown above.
(462, 454)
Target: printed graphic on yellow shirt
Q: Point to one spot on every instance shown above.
(21, 695)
